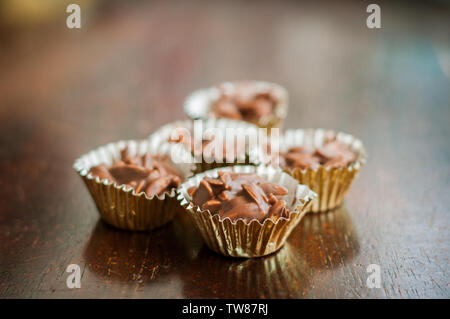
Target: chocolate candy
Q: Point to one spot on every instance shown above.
(244, 196)
(151, 174)
(247, 103)
(332, 154)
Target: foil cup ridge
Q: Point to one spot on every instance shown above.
(253, 239)
(119, 205)
(331, 184)
(198, 104)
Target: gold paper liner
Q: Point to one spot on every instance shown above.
(198, 104)
(254, 239)
(331, 185)
(251, 157)
(120, 206)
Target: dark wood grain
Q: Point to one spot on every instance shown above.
(64, 92)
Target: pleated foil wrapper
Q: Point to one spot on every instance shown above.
(201, 161)
(198, 104)
(254, 239)
(119, 205)
(330, 184)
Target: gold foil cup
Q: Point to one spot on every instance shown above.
(204, 162)
(198, 104)
(119, 205)
(254, 239)
(330, 184)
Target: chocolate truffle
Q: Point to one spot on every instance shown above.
(237, 195)
(248, 103)
(332, 154)
(151, 174)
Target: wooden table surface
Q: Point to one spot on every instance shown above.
(64, 92)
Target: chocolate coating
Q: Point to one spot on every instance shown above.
(332, 154)
(151, 174)
(247, 103)
(244, 196)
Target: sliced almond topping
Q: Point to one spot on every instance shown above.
(212, 205)
(158, 186)
(223, 196)
(124, 153)
(191, 190)
(252, 190)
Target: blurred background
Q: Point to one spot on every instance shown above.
(136, 60)
(127, 70)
